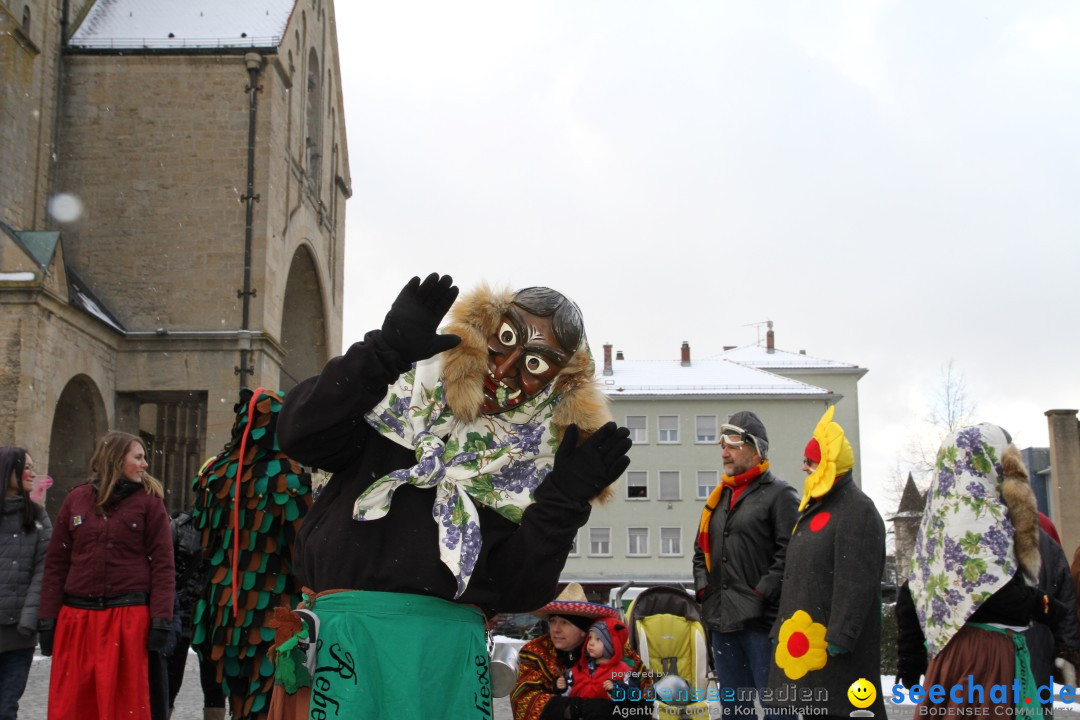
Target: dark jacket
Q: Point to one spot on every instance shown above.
(127, 550)
(322, 425)
(834, 565)
(22, 565)
(191, 569)
(749, 545)
(1044, 642)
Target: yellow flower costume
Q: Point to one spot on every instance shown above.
(802, 646)
(837, 458)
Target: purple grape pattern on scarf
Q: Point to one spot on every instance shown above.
(964, 551)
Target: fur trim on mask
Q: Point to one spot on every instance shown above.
(473, 318)
(1019, 498)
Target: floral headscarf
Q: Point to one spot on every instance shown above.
(965, 550)
(498, 460)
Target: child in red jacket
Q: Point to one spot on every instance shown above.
(601, 665)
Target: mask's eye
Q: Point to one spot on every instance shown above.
(536, 364)
(507, 336)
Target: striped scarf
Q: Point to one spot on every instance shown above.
(736, 483)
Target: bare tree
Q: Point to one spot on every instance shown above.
(949, 407)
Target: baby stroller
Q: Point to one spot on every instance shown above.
(666, 630)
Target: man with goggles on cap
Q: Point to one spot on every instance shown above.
(739, 558)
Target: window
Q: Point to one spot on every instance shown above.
(670, 541)
(705, 429)
(600, 541)
(637, 485)
(706, 482)
(574, 552)
(669, 485)
(313, 141)
(669, 429)
(639, 428)
(637, 542)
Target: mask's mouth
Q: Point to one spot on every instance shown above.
(501, 392)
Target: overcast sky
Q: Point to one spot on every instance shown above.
(893, 184)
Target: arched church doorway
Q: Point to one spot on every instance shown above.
(79, 421)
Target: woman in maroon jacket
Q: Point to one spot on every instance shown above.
(107, 595)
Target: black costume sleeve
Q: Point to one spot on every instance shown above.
(322, 421)
(526, 566)
(1010, 605)
(910, 642)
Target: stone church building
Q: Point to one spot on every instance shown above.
(173, 179)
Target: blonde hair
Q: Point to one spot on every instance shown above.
(107, 463)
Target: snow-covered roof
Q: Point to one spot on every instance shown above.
(760, 357)
(711, 376)
(192, 24)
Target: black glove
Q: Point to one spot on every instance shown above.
(581, 473)
(410, 328)
(907, 678)
(157, 640)
(45, 637)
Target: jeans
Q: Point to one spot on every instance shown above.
(742, 660)
(14, 669)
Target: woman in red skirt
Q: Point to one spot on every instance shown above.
(107, 596)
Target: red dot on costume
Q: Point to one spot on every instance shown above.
(819, 521)
(1027, 700)
(797, 644)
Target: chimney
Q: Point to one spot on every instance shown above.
(770, 343)
(685, 359)
(619, 355)
(607, 359)
(729, 347)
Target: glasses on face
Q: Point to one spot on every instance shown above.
(732, 441)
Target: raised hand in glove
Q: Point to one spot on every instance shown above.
(410, 328)
(582, 473)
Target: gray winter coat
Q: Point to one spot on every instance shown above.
(22, 565)
(749, 545)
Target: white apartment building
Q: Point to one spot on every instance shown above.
(674, 409)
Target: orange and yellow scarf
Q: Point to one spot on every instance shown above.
(737, 484)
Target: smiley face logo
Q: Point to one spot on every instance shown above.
(862, 693)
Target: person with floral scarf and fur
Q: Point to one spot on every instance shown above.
(463, 463)
(972, 591)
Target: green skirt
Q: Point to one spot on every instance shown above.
(394, 655)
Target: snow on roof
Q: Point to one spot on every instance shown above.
(712, 376)
(167, 24)
(760, 357)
